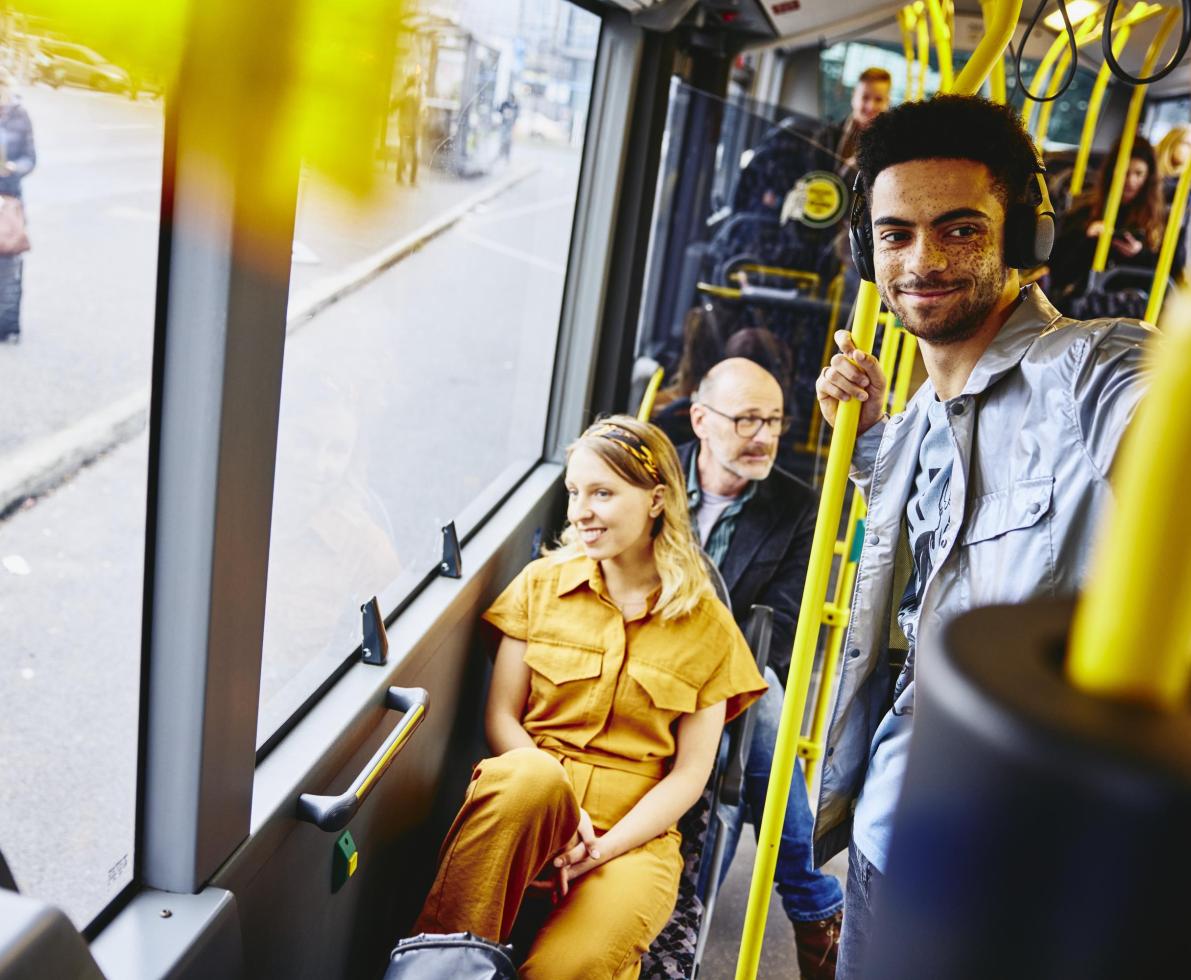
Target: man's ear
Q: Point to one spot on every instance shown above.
(698, 417)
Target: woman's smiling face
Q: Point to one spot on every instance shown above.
(611, 515)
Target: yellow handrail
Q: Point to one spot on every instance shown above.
(1170, 241)
(1057, 47)
(905, 20)
(942, 36)
(1129, 639)
(831, 503)
(996, 79)
(1112, 203)
(1086, 31)
(835, 296)
(837, 612)
(923, 59)
(651, 393)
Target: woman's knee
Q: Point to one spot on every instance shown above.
(527, 778)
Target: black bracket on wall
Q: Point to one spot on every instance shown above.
(375, 649)
(452, 557)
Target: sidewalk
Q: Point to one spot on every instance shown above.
(339, 245)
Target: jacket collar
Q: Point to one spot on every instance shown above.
(1033, 316)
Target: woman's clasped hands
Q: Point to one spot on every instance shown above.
(581, 853)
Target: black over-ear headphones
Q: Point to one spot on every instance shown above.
(1029, 228)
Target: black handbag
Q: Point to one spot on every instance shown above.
(457, 956)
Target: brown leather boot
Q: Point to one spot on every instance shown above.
(818, 946)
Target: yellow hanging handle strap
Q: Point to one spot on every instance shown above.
(1112, 203)
(1131, 638)
(843, 440)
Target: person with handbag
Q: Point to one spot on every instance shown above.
(17, 158)
(616, 671)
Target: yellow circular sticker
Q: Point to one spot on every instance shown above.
(818, 200)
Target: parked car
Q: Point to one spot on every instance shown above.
(79, 65)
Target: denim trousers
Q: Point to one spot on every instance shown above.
(807, 894)
(863, 881)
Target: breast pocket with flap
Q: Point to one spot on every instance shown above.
(1006, 543)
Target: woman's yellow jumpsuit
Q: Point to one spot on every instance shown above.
(604, 697)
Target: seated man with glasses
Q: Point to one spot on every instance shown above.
(756, 522)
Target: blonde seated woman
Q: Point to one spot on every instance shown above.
(616, 672)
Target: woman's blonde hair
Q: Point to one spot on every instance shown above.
(643, 456)
(1179, 133)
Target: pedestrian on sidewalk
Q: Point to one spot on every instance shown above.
(17, 159)
(409, 124)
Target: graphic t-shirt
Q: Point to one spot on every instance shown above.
(928, 519)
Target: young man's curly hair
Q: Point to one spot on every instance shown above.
(962, 127)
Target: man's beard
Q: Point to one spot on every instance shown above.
(962, 322)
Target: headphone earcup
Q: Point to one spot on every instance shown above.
(860, 237)
(1044, 237)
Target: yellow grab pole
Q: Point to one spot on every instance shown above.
(1112, 203)
(998, 32)
(923, 59)
(905, 22)
(835, 296)
(818, 572)
(1141, 11)
(1056, 79)
(938, 27)
(905, 371)
(1087, 30)
(806, 635)
(840, 607)
(1170, 241)
(996, 79)
(651, 394)
(1057, 47)
(1129, 639)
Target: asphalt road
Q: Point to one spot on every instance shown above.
(401, 404)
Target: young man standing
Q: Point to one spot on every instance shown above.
(988, 487)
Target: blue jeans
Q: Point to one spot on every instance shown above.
(807, 894)
(863, 882)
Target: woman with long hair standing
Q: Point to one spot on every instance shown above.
(616, 671)
(17, 159)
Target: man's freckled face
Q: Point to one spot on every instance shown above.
(938, 233)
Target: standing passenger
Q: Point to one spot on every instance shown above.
(991, 481)
(870, 98)
(615, 675)
(17, 159)
(756, 522)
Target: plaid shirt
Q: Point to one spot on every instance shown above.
(720, 538)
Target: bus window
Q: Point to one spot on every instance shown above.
(422, 326)
(82, 146)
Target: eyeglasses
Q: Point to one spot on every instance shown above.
(748, 426)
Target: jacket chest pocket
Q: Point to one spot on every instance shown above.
(562, 678)
(1006, 543)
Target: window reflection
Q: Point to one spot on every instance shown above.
(81, 146)
(423, 325)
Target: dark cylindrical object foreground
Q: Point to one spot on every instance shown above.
(1041, 832)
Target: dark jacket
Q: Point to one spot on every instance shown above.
(766, 561)
(16, 147)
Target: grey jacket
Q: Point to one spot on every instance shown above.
(1035, 432)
